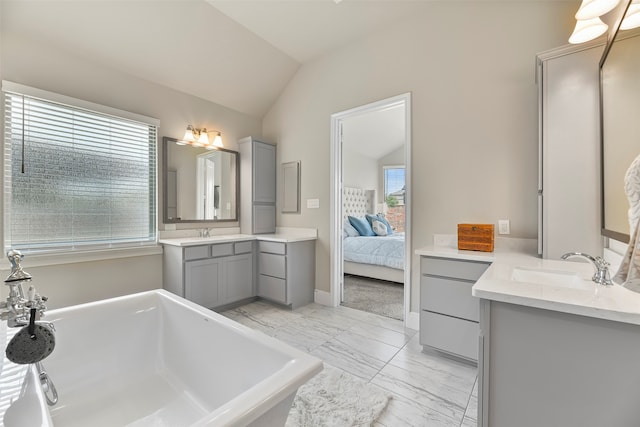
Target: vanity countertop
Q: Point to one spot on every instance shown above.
(587, 299)
(283, 235)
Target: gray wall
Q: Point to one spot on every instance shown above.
(470, 68)
(359, 171)
(55, 70)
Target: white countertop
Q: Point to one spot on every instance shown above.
(588, 299)
(283, 235)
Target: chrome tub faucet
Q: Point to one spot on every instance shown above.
(17, 308)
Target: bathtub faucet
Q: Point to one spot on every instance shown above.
(17, 308)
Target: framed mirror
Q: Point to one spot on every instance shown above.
(200, 185)
(291, 187)
(620, 128)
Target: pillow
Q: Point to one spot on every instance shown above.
(362, 225)
(379, 227)
(349, 231)
(382, 219)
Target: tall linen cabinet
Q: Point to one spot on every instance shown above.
(569, 150)
(257, 186)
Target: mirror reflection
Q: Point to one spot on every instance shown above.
(199, 184)
(620, 130)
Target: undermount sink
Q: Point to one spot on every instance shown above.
(565, 279)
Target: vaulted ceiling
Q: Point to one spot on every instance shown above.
(240, 54)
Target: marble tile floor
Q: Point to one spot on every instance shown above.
(428, 390)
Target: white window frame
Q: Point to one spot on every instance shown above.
(384, 179)
(82, 255)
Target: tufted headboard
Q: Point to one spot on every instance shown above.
(357, 202)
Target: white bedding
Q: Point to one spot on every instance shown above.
(387, 251)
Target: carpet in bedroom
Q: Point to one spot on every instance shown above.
(374, 296)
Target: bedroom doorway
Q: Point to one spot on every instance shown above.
(370, 207)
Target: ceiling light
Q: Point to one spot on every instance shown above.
(588, 29)
(632, 17)
(594, 8)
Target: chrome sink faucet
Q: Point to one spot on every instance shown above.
(601, 275)
(205, 232)
(16, 309)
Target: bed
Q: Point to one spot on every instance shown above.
(378, 257)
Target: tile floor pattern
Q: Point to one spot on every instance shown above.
(427, 389)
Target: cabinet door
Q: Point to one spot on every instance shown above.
(264, 173)
(264, 219)
(202, 282)
(238, 282)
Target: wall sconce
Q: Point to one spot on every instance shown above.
(200, 138)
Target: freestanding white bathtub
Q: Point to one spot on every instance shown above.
(155, 359)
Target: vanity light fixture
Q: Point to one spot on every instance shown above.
(200, 138)
(590, 9)
(589, 25)
(588, 29)
(632, 17)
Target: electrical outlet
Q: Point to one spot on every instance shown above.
(503, 226)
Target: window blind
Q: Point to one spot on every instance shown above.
(89, 179)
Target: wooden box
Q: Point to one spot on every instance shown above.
(475, 237)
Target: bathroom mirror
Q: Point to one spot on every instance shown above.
(200, 185)
(291, 187)
(620, 127)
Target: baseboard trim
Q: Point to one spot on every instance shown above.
(323, 298)
(413, 321)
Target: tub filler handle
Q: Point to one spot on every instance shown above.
(50, 392)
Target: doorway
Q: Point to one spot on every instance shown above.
(370, 166)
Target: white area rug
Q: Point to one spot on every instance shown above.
(336, 398)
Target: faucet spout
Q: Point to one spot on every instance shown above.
(17, 309)
(601, 276)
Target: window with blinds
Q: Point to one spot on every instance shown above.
(76, 179)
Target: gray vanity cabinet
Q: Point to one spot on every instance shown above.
(211, 275)
(286, 272)
(202, 281)
(449, 314)
(257, 186)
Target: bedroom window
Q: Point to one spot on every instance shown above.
(394, 196)
(77, 176)
(394, 185)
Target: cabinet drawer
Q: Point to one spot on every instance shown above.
(272, 288)
(273, 265)
(273, 247)
(243, 247)
(455, 336)
(222, 249)
(449, 296)
(468, 270)
(196, 252)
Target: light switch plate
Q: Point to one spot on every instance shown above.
(313, 203)
(503, 226)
